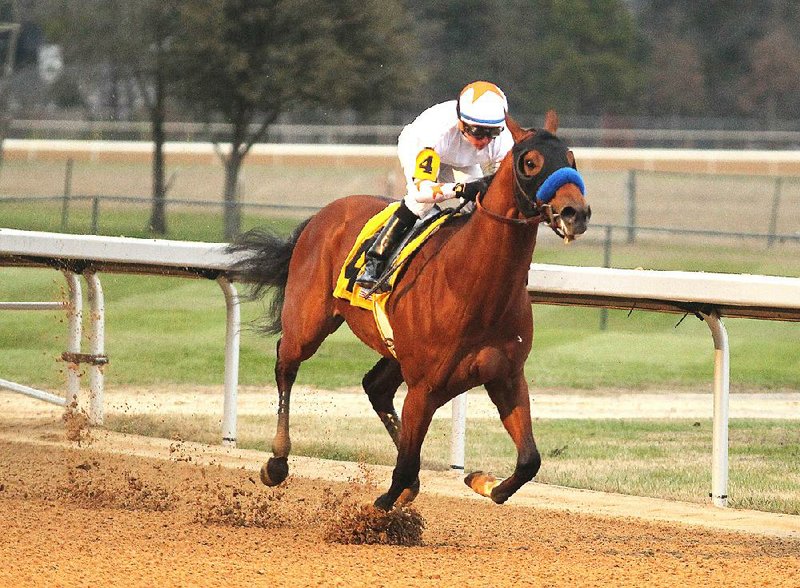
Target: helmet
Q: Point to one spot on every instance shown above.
(482, 104)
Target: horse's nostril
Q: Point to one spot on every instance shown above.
(568, 213)
(588, 212)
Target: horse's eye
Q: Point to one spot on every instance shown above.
(529, 163)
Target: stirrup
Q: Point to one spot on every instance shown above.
(365, 290)
(368, 278)
(372, 278)
(377, 287)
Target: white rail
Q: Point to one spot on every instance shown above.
(711, 296)
(736, 161)
(77, 255)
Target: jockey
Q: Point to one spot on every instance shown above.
(467, 135)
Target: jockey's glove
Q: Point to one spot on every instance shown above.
(470, 190)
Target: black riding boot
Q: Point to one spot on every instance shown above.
(385, 243)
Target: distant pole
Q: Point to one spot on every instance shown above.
(606, 263)
(631, 205)
(95, 215)
(390, 183)
(773, 218)
(67, 194)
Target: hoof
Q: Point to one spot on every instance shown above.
(499, 498)
(409, 494)
(384, 503)
(274, 471)
(481, 482)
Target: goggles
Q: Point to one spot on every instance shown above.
(479, 132)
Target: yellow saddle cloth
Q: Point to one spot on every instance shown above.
(346, 287)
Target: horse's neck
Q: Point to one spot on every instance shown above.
(506, 247)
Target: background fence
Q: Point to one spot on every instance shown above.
(702, 133)
(640, 211)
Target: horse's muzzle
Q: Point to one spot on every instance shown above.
(573, 221)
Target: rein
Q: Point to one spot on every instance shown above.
(542, 211)
(510, 220)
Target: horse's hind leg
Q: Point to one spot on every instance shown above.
(289, 356)
(381, 384)
(277, 467)
(513, 403)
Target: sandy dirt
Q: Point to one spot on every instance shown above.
(546, 404)
(120, 510)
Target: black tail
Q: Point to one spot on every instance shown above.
(265, 265)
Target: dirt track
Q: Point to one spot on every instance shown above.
(95, 514)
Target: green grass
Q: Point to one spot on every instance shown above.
(657, 458)
(185, 223)
(171, 330)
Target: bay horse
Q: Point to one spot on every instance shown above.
(461, 314)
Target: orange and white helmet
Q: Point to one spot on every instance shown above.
(482, 104)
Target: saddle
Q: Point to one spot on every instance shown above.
(346, 286)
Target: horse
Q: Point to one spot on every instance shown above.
(460, 313)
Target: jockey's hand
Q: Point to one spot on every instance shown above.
(470, 190)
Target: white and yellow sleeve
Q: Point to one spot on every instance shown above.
(424, 187)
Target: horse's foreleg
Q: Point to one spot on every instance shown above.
(417, 414)
(513, 403)
(277, 467)
(381, 384)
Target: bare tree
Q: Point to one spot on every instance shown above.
(245, 62)
(772, 87)
(132, 40)
(9, 32)
(676, 83)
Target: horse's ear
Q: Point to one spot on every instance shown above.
(551, 121)
(516, 131)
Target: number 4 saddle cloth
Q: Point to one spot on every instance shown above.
(346, 287)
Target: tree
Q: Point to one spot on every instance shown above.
(132, 39)
(579, 56)
(675, 81)
(159, 19)
(772, 87)
(248, 61)
(9, 31)
(588, 55)
(722, 30)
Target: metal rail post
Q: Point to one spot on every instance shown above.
(74, 332)
(773, 217)
(232, 330)
(458, 431)
(631, 206)
(97, 348)
(719, 452)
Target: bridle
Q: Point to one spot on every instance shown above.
(533, 193)
(511, 220)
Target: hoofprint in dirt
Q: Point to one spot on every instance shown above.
(195, 515)
(352, 402)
